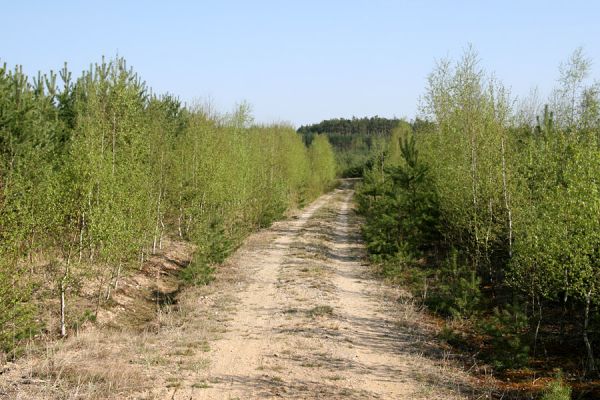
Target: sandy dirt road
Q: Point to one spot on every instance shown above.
(313, 324)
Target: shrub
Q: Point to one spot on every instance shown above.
(557, 390)
(198, 272)
(456, 292)
(508, 331)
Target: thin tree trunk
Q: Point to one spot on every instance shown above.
(89, 234)
(108, 291)
(156, 229)
(475, 259)
(474, 170)
(118, 276)
(114, 143)
(537, 328)
(63, 289)
(507, 202)
(81, 229)
(189, 224)
(486, 249)
(157, 289)
(162, 231)
(110, 285)
(591, 367)
(179, 231)
(563, 317)
(141, 258)
(99, 297)
(63, 329)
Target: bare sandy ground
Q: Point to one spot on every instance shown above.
(313, 323)
(295, 313)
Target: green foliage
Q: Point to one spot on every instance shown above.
(452, 337)
(398, 200)
(353, 140)
(94, 176)
(494, 208)
(508, 330)
(455, 291)
(199, 272)
(545, 126)
(352, 161)
(322, 164)
(557, 390)
(16, 313)
(30, 195)
(216, 244)
(341, 131)
(469, 152)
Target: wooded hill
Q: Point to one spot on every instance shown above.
(339, 127)
(96, 171)
(354, 140)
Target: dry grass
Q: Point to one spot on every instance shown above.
(126, 363)
(91, 366)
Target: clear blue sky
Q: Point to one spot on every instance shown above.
(302, 61)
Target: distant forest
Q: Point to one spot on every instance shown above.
(341, 130)
(354, 140)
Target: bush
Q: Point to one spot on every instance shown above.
(198, 272)
(456, 291)
(557, 390)
(16, 312)
(452, 337)
(507, 329)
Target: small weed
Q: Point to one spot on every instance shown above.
(557, 390)
(320, 311)
(182, 352)
(155, 360)
(173, 382)
(310, 365)
(204, 346)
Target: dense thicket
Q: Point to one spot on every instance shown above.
(94, 174)
(494, 215)
(355, 140)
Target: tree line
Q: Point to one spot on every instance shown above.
(95, 172)
(373, 126)
(353, 140)
(491, 212)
